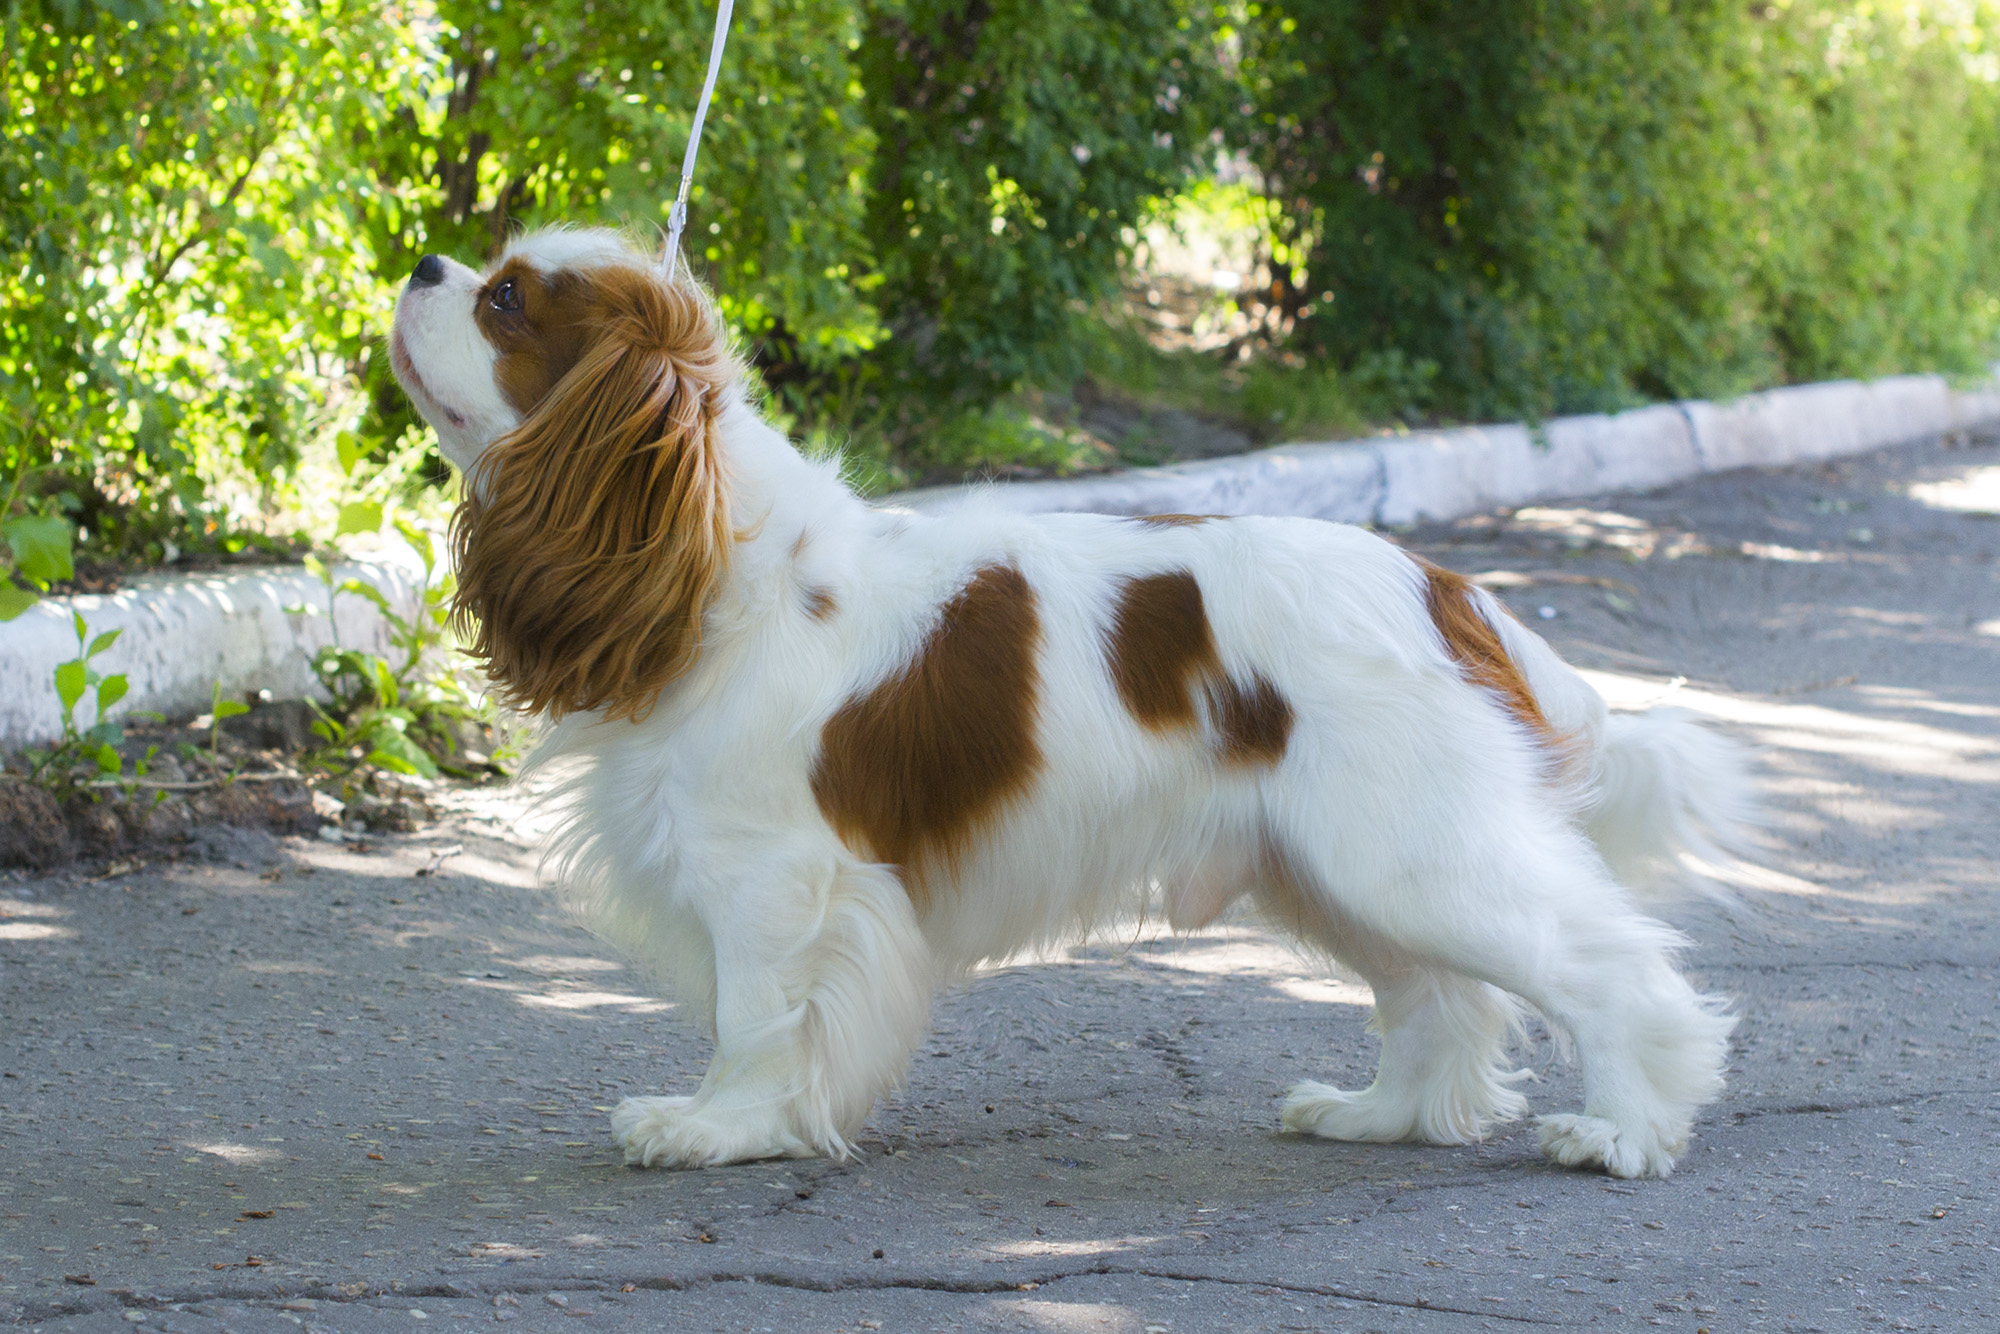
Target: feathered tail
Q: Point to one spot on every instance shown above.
(1652, 789)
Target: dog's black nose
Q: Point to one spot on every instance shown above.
(429, 272)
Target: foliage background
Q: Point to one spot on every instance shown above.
(932, 221)
(1569, 205)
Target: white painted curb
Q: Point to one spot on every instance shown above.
(1445, 474)
(183, 633)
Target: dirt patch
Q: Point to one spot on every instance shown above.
(32, 829)
(39, 830)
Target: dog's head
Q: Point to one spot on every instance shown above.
(579, 391)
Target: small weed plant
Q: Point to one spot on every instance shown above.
(86, 755)
(406, 711)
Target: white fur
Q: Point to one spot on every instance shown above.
(1413, 828)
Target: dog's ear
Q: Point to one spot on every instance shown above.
(593, 537)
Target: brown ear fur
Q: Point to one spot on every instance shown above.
(593, 538)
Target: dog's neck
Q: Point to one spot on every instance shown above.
(797, 522)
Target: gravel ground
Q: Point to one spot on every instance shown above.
(354, 1087)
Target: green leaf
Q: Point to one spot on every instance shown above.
(394, 762)
(317, 569)
(102, 642)
(395, 751)
(105, 734)
(361, 588)
(14, 601)
(351, 450)
(41, 546)
(359, 516)
(229, 708)
(70, 683)
(109, 691)
(109, 761)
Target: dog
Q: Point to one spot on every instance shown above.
(835, 753)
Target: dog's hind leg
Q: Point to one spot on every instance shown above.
(1531, 912)
(1441, 1077)
(822, 988)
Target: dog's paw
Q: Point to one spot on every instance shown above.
(1592, 1141)
(1331, 1113)
(672, 1132)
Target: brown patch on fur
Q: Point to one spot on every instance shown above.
(909, 772)
(1162, 650)
(820, 604)
(1478, 648)
(593, 538)
(543, 341)
(1254, 721)
(1160, 642)
(1171, 520)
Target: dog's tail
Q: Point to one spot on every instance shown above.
(1653, 790)
(1667, 789)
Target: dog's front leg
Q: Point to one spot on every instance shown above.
(823, 983)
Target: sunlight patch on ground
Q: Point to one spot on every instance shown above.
(1747, 875)
(1227, 950)
(1239, 953)
(555, 964)
(1790, 555)
(34, 931)
(243, 1155)
(1094, 1317)
(1977, 492)
(1582, 528)
(590, 1000)
(1042, 1247)
(1325, 991)
(1902, 697)
(22, 908)
(1848, 803)
(11, 928)
(1890, 744)
(556, 996)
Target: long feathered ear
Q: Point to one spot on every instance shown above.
(593, 538)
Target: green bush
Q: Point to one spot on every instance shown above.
(1020, 142)
(176, 213)
(1569, 205)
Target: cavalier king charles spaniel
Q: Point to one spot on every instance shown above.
(837, 752)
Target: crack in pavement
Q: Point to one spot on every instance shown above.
(1740, 1115)
(331, 1295)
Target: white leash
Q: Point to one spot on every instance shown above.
(677, 219)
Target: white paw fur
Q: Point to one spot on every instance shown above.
(1592, 1141)
(1371, 1116)
(672, 1132)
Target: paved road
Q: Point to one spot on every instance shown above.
(309, 1087)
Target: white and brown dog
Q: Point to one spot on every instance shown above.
(838, 751)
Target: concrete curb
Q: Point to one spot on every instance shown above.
(183, 633)
(1445, 474)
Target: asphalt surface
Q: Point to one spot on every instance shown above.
(308, 1087)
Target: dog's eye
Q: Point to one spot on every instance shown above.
(506, 297)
